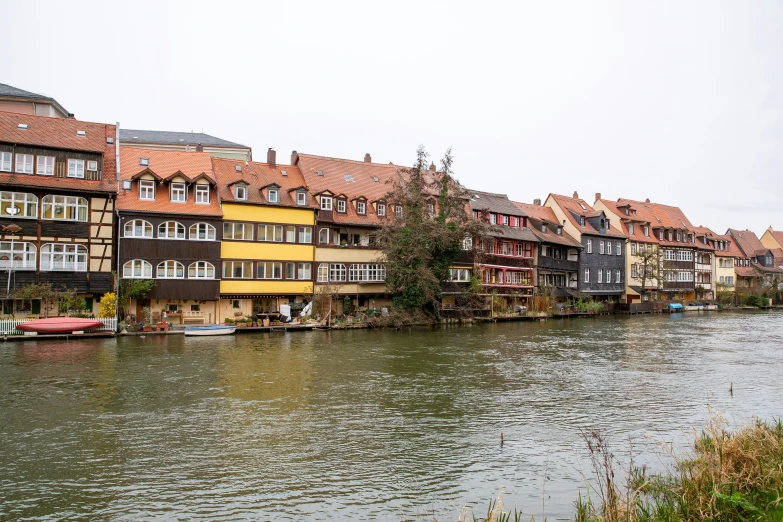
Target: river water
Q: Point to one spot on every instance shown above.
(365, 425)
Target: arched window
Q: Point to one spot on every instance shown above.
(171, 230)
(201, 270)
(171, 270)
(138, 228)
(18, 205)
(23, 255)
(67, 208)
(61, 256)
(137, 269)
(323, 236)
(202, 232)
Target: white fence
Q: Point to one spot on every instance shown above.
(8, 326)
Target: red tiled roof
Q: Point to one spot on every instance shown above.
(164, 164)
(632, 218)
(257, 176)
(538, 215)
(573, 206)
(747, 241)
(60, 133)
(745, 271)
(334, 179)
(667, 217)
(777, 235)
(733, 250)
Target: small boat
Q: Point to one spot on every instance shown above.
(210, 330)
(59, 325)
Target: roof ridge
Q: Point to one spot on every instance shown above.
(50, 119)
(350, 160)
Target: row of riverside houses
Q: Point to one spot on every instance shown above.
(224, 236)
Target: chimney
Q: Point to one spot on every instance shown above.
(432, 167)
(294, 157)
(537, 202)
(576, 195)
(597, 196)
(647, 200)
(367, 158)
(271, 157)
(199, 147)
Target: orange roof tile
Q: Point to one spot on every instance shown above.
(747, 241)
(257, 176)
(164, 164)
(580, 207)
(634, 218)
(538, 215)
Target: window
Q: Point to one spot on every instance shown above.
(270, 233)
(202, 193)
(649, 247)
(270, 270)
(179, 193)
(45, 166)
(459, 275)
(430, 208)
(630, 229)
(367, 272)
(600, 249)
(633, 249)
(92, 166)
(137, 269)
(237, 269)
(273, 195)
(18, 205)
(589, 246)
(304, 271)
(75, 168)
(609, 248)
(305, 235)
(138, 228)
(290, 270)
(59, 256)
(634, 271)
(646, 230)
(505, 220)
(326, 203)
(202, 232)
(582, 221)
(301, 198)
(618, 276)
(381, 209)
(201, 270)
(171, 270)
(336, 272)
(493, 219)
(22, 255)
(147, 189)
(587, 275)
(240, 192)
(600, 276)
(608, 276)
(618, 250)
(341, 206)
(323, 236)
(323, 273)
(679, 236)
(361, 207)
(290, 234)
(238, 231)
(398, 210)
(236, 304)
(24, 164)
(5, 161)
(171, 230)
(67, 208)
(467, 244)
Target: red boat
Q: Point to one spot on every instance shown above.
(56, 325)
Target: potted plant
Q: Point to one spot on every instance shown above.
(228, 321)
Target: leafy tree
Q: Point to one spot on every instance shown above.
(648, 267)
(419, 243)
(108, 305)
(133, 289)
(64, 298)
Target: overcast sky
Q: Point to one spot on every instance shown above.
(676, 101)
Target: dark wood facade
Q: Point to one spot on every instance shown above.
(61, 158)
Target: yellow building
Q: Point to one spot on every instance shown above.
(349, 197)
(267, 248)
(772, 239)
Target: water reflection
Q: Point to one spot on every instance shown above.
(361, 424)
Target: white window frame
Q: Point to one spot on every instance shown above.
(276, 232)
(275, 269)
(587, 275)
(600, 279)
(247, 266)
(92, 166)
(301, 198)
(137, 269)
(381, 209)
(306, 235)
(75, 168)
(24, 202)
(45, 166)
(618, 276)
(341, 206)
(619, 248)
(361, 208)
(326, 203)
(170, 269)
(589, 247)
(460, 275)
(202, 194)
(304, 271)
(240, 192)
(6, 161)
(630, 229)
(146, 189)
(178, 193)
(138, 228)
(20, 255)
(321, 236)
(273, 195)
(601, 247)
(398, 211)
(337, 272)
(59, 257)
(24, 163)
(171, 230)
(68, 205)
(201, 270)
(609, 248)
(323, 273)
(197, 230)
(608, 276)
(230, 231)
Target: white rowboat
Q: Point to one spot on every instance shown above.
(211, 330)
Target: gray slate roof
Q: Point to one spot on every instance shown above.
(496, 203)
(8, 90)
(174, 138)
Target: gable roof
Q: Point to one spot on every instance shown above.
(9, 91)
(495, 203)
(164, 164)
(580, 207)
(257, 175)
(732, 251)
(747, 241)
(174, 138)
(538, 215)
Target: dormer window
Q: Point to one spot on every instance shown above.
(602, 223)
(627, 212)
(646, 229)
(505, 220)
(630, 229)
(326, 203)
(147, 189)
(608, 224)
(398, 210)
(361, 207)
(301, 198)
(341, 206)
(273, 195)
(381, 209)
(240, 192)
(559, 231)
(582, 220)
(679, 236)
(178, 193)
(493, 219)
(543, 229)
(430, 208)
(202, 193)
(671, 235)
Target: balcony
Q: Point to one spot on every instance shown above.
(507, 261)
(558, 264)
